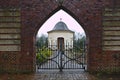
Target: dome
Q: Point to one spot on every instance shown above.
(60, 26)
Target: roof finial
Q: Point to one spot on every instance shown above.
(60, 19)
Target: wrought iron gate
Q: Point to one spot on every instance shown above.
(68, 58)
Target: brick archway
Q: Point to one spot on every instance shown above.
(30, 17)
(72, 15)
(86, 22)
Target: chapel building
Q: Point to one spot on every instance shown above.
(60, 37)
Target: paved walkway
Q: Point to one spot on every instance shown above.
(48, 76)
(54, 75)
(65, 75)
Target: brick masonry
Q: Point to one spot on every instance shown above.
(35, 12)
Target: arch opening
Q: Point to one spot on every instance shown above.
(44, 41)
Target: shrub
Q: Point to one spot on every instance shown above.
(43, 54)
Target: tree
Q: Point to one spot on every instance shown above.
(79, 43)
(41, 41)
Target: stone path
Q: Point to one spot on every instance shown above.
(55, 75)
(65, 75)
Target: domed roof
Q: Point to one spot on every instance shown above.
(60, 26)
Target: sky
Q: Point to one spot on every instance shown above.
(61, 15)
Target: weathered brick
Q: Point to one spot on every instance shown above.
(35, 12)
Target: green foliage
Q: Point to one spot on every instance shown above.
(79, 44)
(43, 54)
(41, 41)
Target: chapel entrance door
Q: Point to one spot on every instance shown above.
(60, 41)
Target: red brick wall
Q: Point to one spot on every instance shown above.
(35, 12)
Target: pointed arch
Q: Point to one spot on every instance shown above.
(70, 13)
(55, 11)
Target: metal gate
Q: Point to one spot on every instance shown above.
(52, 57)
